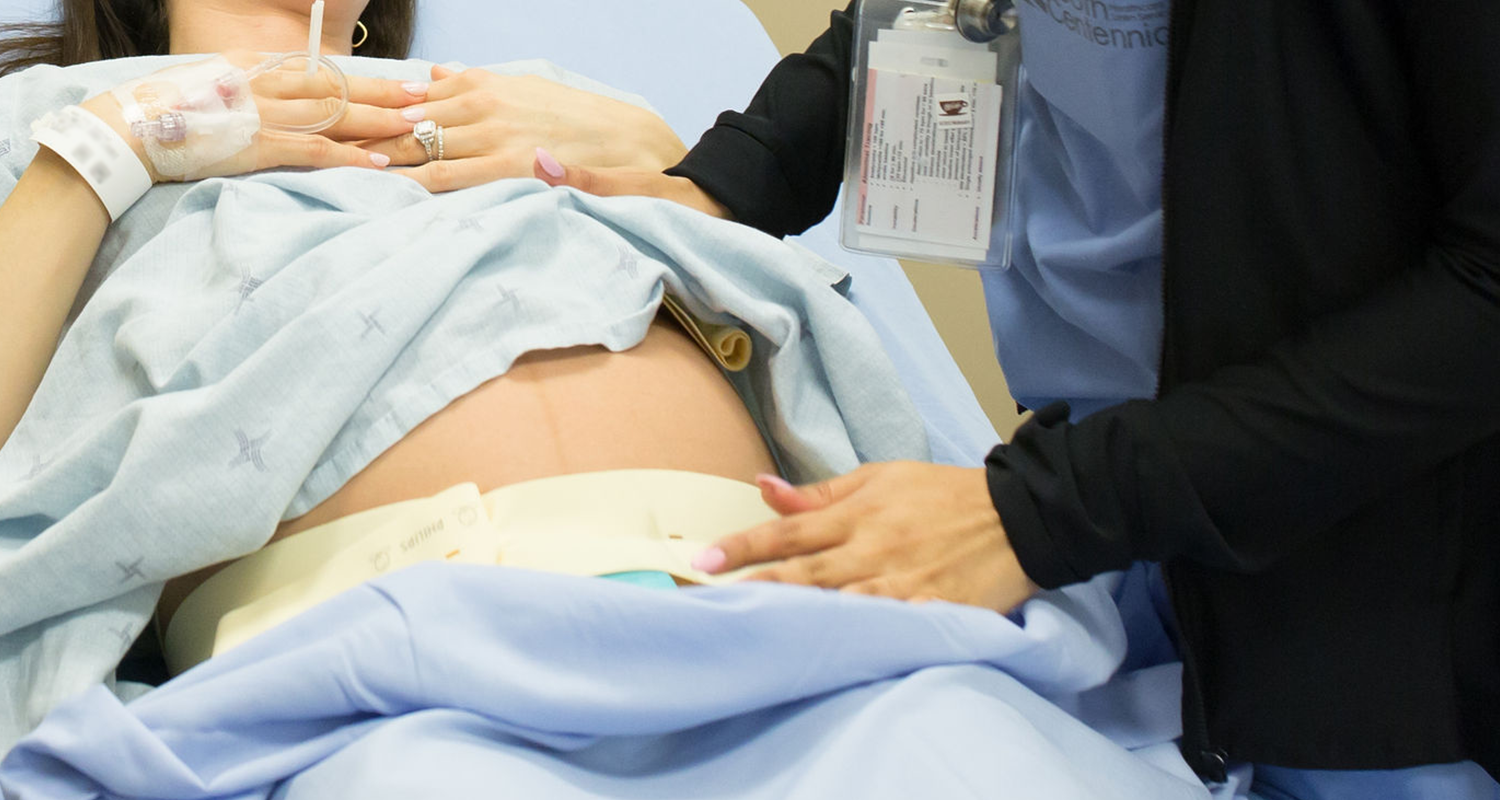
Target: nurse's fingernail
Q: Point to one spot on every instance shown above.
(414, 114)
(418, 88)
(773, 483)
(549, 164)
(380, 160)
(710, 560)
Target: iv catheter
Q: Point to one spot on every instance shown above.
(231, 88)
(191, 116)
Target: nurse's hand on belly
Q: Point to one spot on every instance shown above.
(907, 530)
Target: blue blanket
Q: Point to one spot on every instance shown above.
(459, 681)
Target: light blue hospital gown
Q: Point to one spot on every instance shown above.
(1078, 316)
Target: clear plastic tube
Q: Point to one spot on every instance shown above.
(323, 62)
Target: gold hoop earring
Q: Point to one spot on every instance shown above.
(364, 33)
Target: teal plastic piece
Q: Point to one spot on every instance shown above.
(651, 579)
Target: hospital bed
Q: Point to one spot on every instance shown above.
(692, 59)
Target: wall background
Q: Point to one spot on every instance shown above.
(952, 296)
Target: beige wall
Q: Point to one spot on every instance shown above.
(953, 297)
(793, 24)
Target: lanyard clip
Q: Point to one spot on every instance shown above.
(984, 20)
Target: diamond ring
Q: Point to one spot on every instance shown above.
(427, 133)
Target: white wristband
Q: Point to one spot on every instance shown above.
(103, 157)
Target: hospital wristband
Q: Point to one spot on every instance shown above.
(99, 154)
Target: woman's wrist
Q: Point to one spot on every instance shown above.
(57, 180)
(98, 152)
(105, 107)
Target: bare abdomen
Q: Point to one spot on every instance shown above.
(662, 404)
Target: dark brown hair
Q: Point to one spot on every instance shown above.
(93, 30)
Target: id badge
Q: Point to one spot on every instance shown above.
(929, 172)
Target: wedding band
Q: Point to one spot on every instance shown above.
(440, 143)
(426, 132)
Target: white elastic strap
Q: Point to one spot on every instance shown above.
(99, 153)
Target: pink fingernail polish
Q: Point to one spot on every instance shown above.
(773, 482)
(710, 560)
(414, 114)
(418, 88)
(551, 167)
(380, 160)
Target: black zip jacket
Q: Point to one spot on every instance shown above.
(1321, 471)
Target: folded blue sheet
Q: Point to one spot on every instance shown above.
(459, 681)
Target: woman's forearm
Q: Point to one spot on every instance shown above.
(52, 223)
(50, 230)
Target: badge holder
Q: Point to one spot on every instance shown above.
(929, 172)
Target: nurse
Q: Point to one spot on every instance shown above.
(1272, 303)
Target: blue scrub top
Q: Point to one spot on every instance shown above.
(1078, 315)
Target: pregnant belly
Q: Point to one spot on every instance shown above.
(662, 404)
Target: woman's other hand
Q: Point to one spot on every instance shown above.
(908, 530)
(493, 124)
(285, 96)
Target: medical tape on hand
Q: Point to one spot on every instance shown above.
(191, 117)
(99, 154)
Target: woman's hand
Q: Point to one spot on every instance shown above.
(493, 125)
(285, 96)
(908, 530)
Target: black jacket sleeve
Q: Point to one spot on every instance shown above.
(1234, 467)
(777, 166)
